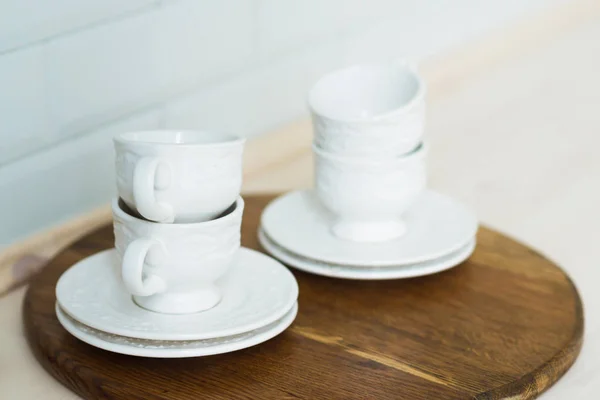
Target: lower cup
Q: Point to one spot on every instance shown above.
(368, 196)
(173, 268)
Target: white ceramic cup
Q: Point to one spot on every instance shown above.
(178, 176)
(369, 109)
(172, 268)
(368, 197)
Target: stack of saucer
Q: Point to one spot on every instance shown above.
(370, 215)
(177, 283)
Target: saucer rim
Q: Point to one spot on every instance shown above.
(162, 335)
(274, 329)
(379, 262)
(365, 272)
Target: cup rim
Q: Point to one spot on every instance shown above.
(417, 98)
(417, 153)
(230, 139)
(122, 215)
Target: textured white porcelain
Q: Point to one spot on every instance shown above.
(178, 176)
(174, 349)
(370, 109)
(257, 291)
(368, 196)
(437, 225)
(367, 272)
(173, 268)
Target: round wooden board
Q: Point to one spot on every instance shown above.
(505, 324)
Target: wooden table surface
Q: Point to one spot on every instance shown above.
(505, 324)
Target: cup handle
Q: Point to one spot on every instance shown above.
(144, 178)
(132, 269)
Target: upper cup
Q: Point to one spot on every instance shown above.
(178, 176)
(369, 110)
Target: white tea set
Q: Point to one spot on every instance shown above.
(178, 284)
(370, 215)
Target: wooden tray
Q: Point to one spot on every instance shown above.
(505, 324)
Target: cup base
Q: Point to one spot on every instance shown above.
(368, 231)
(180, 303)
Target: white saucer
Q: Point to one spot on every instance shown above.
(174, 348)
(257, 291)
(436, 226)
(368, 272)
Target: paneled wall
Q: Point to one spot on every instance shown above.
(73, 73)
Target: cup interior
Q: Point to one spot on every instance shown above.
(129, 211)
(179, 137)
(418, 153)
(364, 91)
(133, 213)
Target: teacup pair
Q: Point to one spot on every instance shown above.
(178, 217)
(369, 151)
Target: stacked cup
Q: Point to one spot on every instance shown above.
(178, 217)
(368, 147)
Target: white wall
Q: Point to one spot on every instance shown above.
(73, 73)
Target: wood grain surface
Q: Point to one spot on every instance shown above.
(505, 324)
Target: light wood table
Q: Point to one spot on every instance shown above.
(517, 139)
